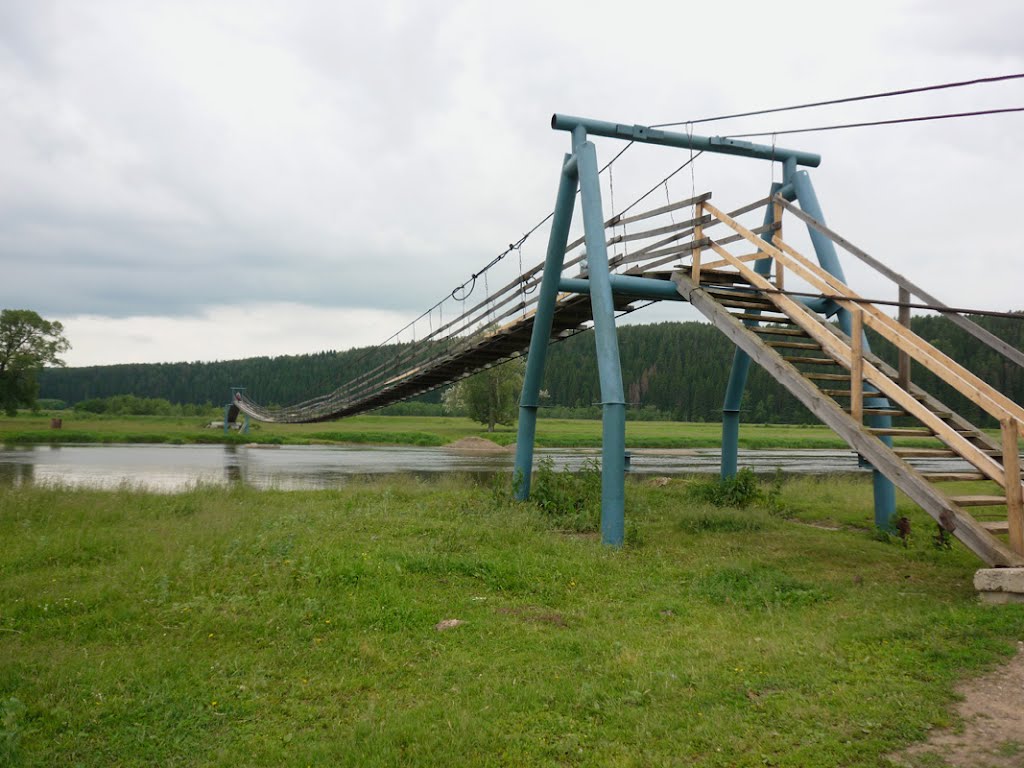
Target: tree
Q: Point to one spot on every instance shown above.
(492, 395)
(27, 343)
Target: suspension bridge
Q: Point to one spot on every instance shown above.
(778, 306)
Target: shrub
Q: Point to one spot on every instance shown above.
(570, 499)
(739, 491)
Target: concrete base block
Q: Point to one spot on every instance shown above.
(1000, 585)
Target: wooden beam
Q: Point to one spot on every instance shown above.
(969, 385)
(857, 368)
(614, 221)
(698, 236)
(968, 325)
(904, 319)
(943, 366)
(839, 350)
(1014, 496)
(756, 256)
(965, 528)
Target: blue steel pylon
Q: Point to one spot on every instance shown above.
(581, 168)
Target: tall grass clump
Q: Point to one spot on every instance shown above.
(740, 491)
(571, 500)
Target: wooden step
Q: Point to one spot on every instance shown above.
(793, 345)
(711, 277)
(952, 477)
(923, 453)
(839, 392)
(995, 526)
(769, 331)
(810, 360)
(894, 412)
(868, 394)
(826, 376)
(901, 431)
(763, 318)
(745, 304)
(740, 294)
(980, 500)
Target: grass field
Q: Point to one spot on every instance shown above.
(405, 430)
(236, 627)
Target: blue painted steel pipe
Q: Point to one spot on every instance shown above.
(719, 144)
(885, 492)
(613, 401)
(534, 377)
(627, 285)
(738, 374)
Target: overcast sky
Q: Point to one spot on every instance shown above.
(213, 180)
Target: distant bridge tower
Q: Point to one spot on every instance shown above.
(231, 411)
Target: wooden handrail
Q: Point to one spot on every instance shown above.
(995, 403)
(968, 325)
(841, 353)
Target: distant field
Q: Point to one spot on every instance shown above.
(404, 430)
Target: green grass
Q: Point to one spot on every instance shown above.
(236, 627)
(405, 430)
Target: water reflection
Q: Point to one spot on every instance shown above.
(232, 466)
(20, 470)
(176, 467)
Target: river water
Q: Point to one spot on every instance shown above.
(171, 468)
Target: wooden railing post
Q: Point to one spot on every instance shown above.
(1014, 501)
(904, 320)
(698, 235)
(780, 271)
(857, 365)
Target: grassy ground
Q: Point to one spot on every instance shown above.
(235, 627)
(407, 430)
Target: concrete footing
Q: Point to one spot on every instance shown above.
(1000, 585)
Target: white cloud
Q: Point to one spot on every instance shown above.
(164, 158)
(224, 333)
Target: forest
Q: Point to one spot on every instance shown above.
(671, 370)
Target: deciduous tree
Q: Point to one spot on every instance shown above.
(492, 396)
(27, 343)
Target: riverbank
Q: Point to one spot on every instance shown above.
(425, 624)
(402, 430)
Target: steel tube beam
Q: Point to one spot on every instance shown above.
(740, 368)
(565, 202)
(824, 248)
(626, 285)
(613, 400)
(718, 144)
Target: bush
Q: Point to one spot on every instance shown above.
(570, 499)
(742, 490)
(130, 405)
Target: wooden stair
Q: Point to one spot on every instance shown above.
(858, 395)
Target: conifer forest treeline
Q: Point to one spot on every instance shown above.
(670, 371)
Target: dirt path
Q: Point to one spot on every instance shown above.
(993, 725)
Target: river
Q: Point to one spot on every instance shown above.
(171, 468)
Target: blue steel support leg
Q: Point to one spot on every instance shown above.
(885, 492)
(528, 402)
(738, 375)
(613, 402)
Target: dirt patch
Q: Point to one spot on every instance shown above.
(474, 444)
(993, 725)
